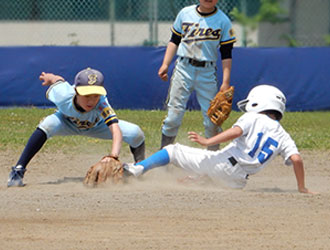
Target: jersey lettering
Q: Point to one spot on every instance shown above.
(192, 32)
(266, 151)
(82, 124)
(256, 146)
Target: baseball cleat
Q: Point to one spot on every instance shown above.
(16, 176)
(132, 169)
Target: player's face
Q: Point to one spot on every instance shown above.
(207, 5)
(87, 102)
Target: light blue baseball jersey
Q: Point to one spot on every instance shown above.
(62, 95)
(202, 35)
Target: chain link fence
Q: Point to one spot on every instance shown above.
(148, 22)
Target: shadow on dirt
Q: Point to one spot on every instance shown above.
(64, 180)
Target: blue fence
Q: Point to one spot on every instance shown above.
(131, 80)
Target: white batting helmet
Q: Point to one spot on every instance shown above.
(262, 98)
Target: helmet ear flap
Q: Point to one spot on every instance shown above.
(242, 105)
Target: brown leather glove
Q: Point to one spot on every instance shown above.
(220, 106)
(108, 168)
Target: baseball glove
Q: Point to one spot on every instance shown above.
(220, 106)
(104, 170)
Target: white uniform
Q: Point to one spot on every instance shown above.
(263, 138)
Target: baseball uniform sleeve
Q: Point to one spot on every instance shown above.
(106, 111)
(244, 122)
(228, 34)
(289, 148)
(177, 25)
(60, 92)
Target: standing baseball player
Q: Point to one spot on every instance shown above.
(82, 109)
(197, 33)
(257, 137)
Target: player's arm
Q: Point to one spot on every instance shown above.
(298, 168)
(171, 50)
(226, 57)
(111, 120)
(226, 69)
(224, 136)
(117, 139)
(49, 78)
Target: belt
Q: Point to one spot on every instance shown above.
(197, 63)
(233, 162)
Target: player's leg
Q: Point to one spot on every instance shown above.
(44, 130)
(34, 144)
(206, 88)
(179, 92)
(132, 135)
(160, 158)
(188, 158)
(216, 165)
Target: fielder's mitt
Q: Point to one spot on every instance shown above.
(220, 106)
(104, 170)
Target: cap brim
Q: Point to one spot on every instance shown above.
(91, 90)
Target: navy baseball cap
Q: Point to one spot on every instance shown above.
(89, 82)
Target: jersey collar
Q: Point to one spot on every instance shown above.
(206, 14)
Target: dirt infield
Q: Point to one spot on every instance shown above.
(55, 211)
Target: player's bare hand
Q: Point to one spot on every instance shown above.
(193, 136)
(49, 78)
(162, 72)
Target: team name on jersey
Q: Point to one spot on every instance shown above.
(82, 124)
(192, 32)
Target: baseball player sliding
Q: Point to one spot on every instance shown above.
(82, 109)
(256, 138)
(197, 33)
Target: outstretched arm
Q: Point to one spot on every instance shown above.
(298, 168)
(49, 78)
(224, 136)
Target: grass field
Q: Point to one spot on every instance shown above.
(310, 130)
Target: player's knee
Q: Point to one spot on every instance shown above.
(171, 125)
(174, 117)
(138, 136)
(171, 148)
(48, 127)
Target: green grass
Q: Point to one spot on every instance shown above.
(310, 130)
